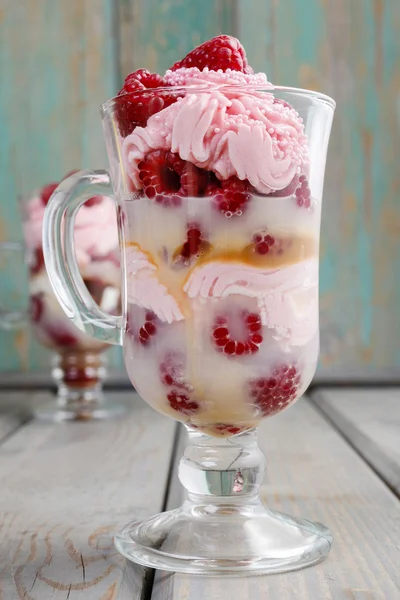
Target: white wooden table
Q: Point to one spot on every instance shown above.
(66, 488)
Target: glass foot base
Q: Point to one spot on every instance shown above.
(80, 411)
(218, 539)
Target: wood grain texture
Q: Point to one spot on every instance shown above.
(349, 50)
(65, 489)
(369, 418)
(313, 472)
(57, 65)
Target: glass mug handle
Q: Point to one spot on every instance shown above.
(10, 318)
(60, 260)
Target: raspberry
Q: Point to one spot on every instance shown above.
(160, 173)
(37, 262)
(172, 375)
(263, 243)
(47, 191)
(36, 307)
(249, 345)
(303, 193)
(232, 429)
(134, 109)
(63, 339)
(93, 201)
(222, 52)
(172, 371)
(221, 428)
(134, 106)
(166, 178)
(180, 402)
(300, 188)
(274, 393)
(148, 329)
(142, 78)
(230, 196)
(194, 245)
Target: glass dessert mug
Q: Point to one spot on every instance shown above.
(219, 235)
(78, 364)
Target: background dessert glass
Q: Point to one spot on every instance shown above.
(79, 363)
(219, 321)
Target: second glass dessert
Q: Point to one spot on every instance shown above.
(79, 365)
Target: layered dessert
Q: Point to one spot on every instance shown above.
(221, 236)
(97, 253)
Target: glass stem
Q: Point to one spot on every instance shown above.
(222, 470)
(79, 377)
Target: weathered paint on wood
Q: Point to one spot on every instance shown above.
(349, 50)
(313, 472)
(65, 489)
(346, 49)
(370, 420)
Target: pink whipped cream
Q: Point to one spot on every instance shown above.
(232, 131)
(146, 290)
(206, 77)
(96, 231)
(287, 298)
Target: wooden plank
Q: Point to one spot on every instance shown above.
(57, 65)
(65, 489)
(314, 473)
(349, 50)
(369, 418)
(156, 34)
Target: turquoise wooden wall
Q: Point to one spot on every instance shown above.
(60, 60)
